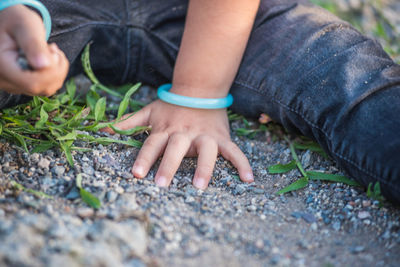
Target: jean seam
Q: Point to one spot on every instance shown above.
(85, 25)
(323, 132)
(127, 43)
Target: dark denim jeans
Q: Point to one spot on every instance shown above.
(304, 67)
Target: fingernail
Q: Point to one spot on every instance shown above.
(138, 171)
(200, 183)
(41, 61)
(249, 177)
(162, 181)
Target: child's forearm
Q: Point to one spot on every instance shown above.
(213, 43)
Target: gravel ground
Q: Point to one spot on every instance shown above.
(229, 224)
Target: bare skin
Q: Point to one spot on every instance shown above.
(214, 40)
(21, 28)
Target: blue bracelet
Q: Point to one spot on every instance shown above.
(192, 102)
(33, 3)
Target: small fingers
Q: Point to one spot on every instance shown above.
(232, 152)
(207, 150)
(149, 153)
(177, 147)
(31, 38)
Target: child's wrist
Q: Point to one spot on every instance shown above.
(200, 91)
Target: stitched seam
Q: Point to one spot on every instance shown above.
(85, 25)
(324, 133)
(128, 55)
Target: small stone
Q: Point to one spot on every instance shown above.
(366, 203)
(73, 194)
(35, 157)
(259, 191)
(306, 159)
(44, 163)
(111, 196)
(357, 249)
(239, 189)
(363, 215)
(88, 169)
(336, 225)
(314, 226)
(150, 191)
(85, 212)
(127, 175)
(135, 263)
(275, 259)
(308, 217)
(251, 208)
(119, 190)
(59, 170)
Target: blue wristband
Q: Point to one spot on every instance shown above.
(192, 102)
(35, 4)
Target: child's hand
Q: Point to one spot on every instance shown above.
(23, 29)
(178, 132)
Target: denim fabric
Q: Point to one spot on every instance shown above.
(303, 66)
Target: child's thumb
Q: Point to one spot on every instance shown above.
(33, 43)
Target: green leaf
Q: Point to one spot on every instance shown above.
(71, 89)
(86, 64)
(70, 136)
(28, 190)
(91, 99)
(125, 101)
(100, 109)
(301, 183)
(282, 168)
(21, 140)
(35, 101)
(90, 199)
(78, 180)
(86, 196)
(43, 118)
(66, 147)
(135, 130)
(312, 146)
(296, 158)
(314, 175)
(42, 147)
(50, 104)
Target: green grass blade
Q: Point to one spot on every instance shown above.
(125, 101)
(314, 175)
(42, 147)
(296, 158)
(69, 136)
(71, 90)
(66, 147)
(28, 190)
(86, 196)
(100, 109)
(136, 130)
(312, 146)
(90, 199)
(78, 180)
(106, 141)
(86, 64)
(282, 168)
(301, 183)
(43, 118)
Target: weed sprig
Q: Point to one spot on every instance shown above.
(60, 121)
